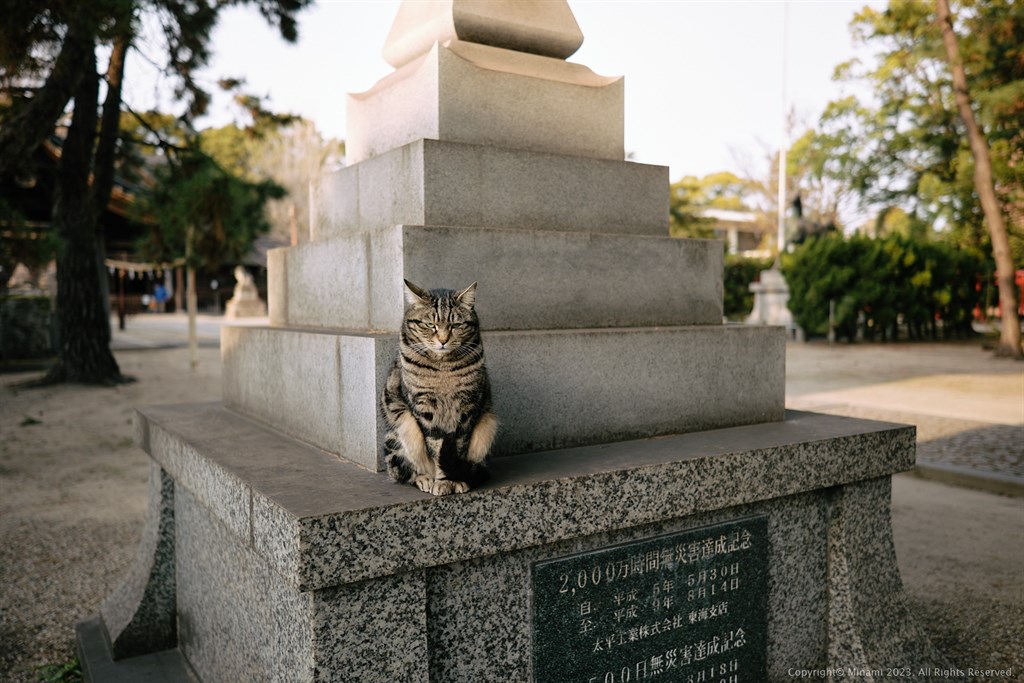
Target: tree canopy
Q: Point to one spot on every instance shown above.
(286, 149)
(690, 196)
(936, 149)
(49, 57)
(905, 146)
(205, 212)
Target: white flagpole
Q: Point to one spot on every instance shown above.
(784, 143)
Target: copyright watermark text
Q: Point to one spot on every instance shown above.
(901, 673)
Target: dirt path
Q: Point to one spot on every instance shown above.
(72, 498)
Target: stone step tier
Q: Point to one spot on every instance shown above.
(528, 279)
(552, 388)
(434, 182)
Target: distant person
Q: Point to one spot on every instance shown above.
(161, 295)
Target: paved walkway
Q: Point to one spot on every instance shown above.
(170, 330)
(968, 406)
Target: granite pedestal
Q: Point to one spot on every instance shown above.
(290, 564)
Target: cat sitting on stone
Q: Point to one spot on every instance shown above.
(437, 399)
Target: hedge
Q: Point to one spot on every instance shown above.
(882, 286)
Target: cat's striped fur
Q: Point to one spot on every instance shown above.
(437, 398)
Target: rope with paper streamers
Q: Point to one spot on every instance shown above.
(134, 268)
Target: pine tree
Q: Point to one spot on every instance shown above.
(48, 59)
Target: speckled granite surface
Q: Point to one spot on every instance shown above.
(238, 619)
(288, 554)
(467, 615)
(139, 617)
(322, 522)
(870, 633)
(372, 631)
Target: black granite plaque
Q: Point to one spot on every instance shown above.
(690, 607)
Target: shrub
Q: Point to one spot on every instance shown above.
(883, 286)
(25, 327)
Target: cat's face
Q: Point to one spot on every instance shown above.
(440, 322)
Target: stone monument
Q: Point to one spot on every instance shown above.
(654, 510)
(771, 300)
(246, 302)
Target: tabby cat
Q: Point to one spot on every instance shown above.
(437, 399)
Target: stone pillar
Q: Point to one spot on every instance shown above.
(733, 242)
(771, 297)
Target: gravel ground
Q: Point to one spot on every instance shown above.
(960, 554)
(73, 493)
(72, 498)
(966, 443)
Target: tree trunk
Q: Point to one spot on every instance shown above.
(110, 126)
(84, 354)
(106, 151)
(20, 137)
(1009, 338)
(190, 301)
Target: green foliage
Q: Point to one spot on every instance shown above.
(288, 150)
(895, 221)
(150, 131)
(196, 200)
(21, 243)
(739, 273)
(220, 182)
(48, 57)
(25, 323)
(231, 147)
(882, 285)
(818, 166)
(204, 188)
(34, 33)
(690, 195)
(906, 147)
(70, 672)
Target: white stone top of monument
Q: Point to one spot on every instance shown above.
(541, 27)
(487, 72)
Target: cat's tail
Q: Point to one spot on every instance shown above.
(458, 469)
(479, 474)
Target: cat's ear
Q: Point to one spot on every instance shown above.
(414, 296)
(467, 297)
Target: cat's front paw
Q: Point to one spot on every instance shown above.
(444, 487)
(425, 483)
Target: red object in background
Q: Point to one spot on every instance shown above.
(997, 311)
(1018, 279)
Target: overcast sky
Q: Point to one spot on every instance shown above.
(704, 79)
